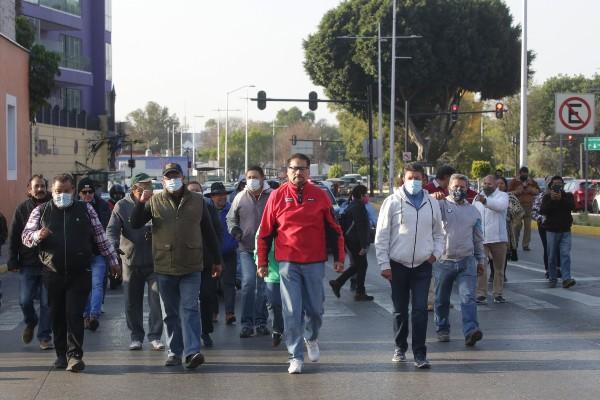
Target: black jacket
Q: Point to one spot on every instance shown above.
(3, 231)
(209, 258)
(102, 209)
(356, 225)
(557, 212)
(19, 254)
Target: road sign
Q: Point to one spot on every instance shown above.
(406, 156)
(592, 143)
(574, 113)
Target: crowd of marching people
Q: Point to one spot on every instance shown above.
(185, 246)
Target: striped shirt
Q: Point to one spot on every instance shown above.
(30, 237)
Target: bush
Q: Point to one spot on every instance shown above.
(335, 171)
(480, 169)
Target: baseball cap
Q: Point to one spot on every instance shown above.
(140, 178)
(172, 167)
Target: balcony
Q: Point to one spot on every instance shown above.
(67, 6)
(79, 63)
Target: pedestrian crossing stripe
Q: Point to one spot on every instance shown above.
(588, 300)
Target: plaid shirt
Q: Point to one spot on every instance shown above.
(535, 210)
(30, 237)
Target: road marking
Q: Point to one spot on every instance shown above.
(522, 266)
(11, 318)
(334, 308)
(528, 303)
(592, 301)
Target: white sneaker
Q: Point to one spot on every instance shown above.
(135, 345)
(312, 346)
(295, 366)
(157, 345)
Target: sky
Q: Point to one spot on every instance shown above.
(187, 54)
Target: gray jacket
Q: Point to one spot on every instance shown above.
(243, 219)
(135, 243)
(463, 234)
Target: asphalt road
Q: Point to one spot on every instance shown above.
(542, 344)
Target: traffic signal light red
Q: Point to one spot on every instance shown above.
(569, 137)
(499, 110)
(454, 112)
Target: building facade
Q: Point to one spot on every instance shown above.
(14, 123)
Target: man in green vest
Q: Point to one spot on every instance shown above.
(180, 221)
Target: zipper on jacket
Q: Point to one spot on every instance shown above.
(65, 240)
(416, 235)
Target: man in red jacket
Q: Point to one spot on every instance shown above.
(299, 219)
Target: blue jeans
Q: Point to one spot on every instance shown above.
(254, 301)
(559, 245)
(410, 285)
(31, 287)
(273, 291)
(302, 296)
(465, 273)
(93, 308)
(181, 315)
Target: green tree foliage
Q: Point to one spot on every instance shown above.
(481, 169)
(335, 171)
(468, 45)
(292, 116)
(152, 125)
(43, 66)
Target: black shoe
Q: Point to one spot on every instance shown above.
(526, 249)
(473, 337)
(75, 364)
(207, 340)
(481, 300)
(499, 300)
(194, 360)
(276, 339)
(567, 283)
(335, 287)
(546, 275)
(363, 297)
(94, 324)
(353, 284)
(443, 336)
(514, 256)
(27, 335)
(262, 331)
(246, 332)
(60, 362)
(173, 361)
(422, 363)
(552, 283)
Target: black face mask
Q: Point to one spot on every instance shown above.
(523, 178)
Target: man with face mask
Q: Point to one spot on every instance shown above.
(409, 239)
(525, 189)
(243, 220)
(492, 204)
(26, 262)
(180, 224)
(66, 233)
(461, 261)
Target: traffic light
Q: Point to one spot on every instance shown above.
(454, 112)
(131, 163)
(294, 140)
(261, 100)
(570, 138)
(313, 101)
(499, 110)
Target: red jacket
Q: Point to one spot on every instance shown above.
(301, 230)
(432, 188)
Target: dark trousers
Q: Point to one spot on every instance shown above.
(410, 285)
(544, 240)
(67, 297)
(209, 302)
(134, 287)
(228, 280)
(358, 266)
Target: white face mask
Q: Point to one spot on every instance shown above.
(254, 184)
(62, 200)
(413, 186)
(173, 185)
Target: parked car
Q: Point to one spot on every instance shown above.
(334, 201)
(596, 203)
(577, 188)
(348, 184)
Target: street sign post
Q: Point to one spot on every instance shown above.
(592, 143)
(574, 113)
(406, 156)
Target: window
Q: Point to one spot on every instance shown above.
(42, 146)
(67, 6)
(72, 53)
(108, 15)
(108, 54)
(11, 138)
(71, 99)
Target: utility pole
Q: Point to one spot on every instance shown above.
(523, 133)
(392, 173)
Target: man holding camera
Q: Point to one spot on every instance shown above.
(525, 189)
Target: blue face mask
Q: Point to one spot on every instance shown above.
(173, 185)
(413, 186)
(62, 200)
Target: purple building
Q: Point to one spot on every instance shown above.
(80, 31)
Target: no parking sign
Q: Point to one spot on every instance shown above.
(574, 113)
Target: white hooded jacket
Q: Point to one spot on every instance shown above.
(493, 217)
(408, 235)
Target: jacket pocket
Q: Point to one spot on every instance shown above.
(193, 254)
(162, 254)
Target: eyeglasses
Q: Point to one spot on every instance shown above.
(298, 169)
(84, 192)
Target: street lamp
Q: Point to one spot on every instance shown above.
(194, 144)
(227, 123)
(219, 138)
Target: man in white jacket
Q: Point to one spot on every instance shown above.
(492, 205)
(409, 239)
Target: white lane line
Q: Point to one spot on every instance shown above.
(527, 267)
(592, 301)
(528, 303)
